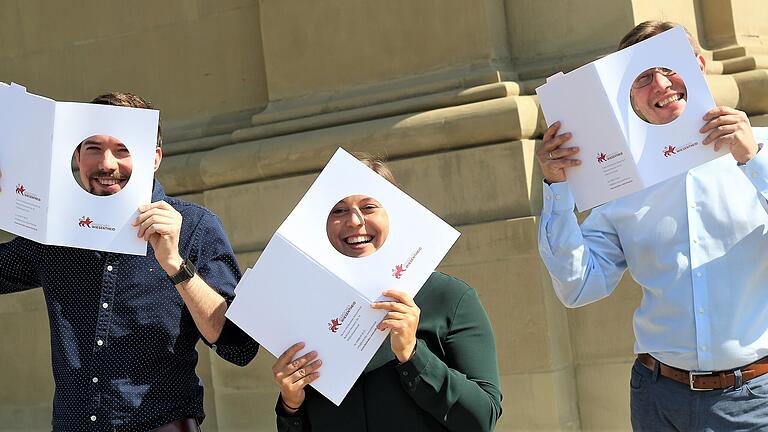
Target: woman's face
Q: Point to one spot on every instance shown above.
(357, 226)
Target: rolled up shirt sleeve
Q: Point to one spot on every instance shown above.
(585, 262)
(217, 266)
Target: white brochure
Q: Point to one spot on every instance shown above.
(761, 135)
(302, 289)
(42, 200)
(620, 152)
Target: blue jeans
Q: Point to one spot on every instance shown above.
(660, 404)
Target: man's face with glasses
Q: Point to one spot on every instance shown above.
(658, 95)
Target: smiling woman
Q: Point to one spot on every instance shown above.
(357, 226)
(437, 373)
(102, 165)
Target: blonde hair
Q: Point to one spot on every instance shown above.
(377, 164)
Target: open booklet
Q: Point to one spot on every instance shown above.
(306, 287)
(626, 147)
(43, 196)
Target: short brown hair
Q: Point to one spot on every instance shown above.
(129, 100)
(377, 164)
(647, 29)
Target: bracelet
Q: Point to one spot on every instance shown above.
(290, 407)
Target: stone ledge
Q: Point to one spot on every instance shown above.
(486, 122)
(738, 51)
(378, 111)
(374, 94)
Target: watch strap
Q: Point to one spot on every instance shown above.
(185, 273)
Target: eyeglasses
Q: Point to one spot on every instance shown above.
(646, 77)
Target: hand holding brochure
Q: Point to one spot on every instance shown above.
(620, 152)
(41, 199)
(304, 289)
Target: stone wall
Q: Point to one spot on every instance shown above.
(256, 96)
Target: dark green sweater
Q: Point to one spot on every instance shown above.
(451, 383)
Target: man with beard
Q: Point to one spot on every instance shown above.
(124, 327)
(695, 243)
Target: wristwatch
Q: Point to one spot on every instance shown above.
(186, 272)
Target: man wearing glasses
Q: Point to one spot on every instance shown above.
(661, 102)
(696, 244)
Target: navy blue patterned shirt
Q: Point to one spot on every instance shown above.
(122, 340)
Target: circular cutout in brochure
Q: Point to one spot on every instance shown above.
(102, 165)
(658, 95)
(357, 226)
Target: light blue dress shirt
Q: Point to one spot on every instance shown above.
(698, 246)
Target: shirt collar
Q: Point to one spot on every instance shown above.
(158, 193)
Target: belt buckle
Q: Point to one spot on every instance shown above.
(692, 375)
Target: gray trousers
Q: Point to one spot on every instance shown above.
(660, 404)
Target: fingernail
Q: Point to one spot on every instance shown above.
(319, 362)
(567, 134)
(574, 149)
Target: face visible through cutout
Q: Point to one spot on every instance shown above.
(104, 164)
(658, 95)
(357, 226)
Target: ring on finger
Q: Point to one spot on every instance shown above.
(549, 155)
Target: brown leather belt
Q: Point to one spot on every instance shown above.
(702, 381)
(188, 424)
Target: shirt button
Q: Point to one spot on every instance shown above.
(405, 373)
(105, 305)
(701, 310)
(99, 342)
(557, 197)
(698, 274)
(754, 174)
(95, 379)
(109, 268)
(93, 418)
(703, 347)
(695, 240)
(549, 197)
(692, 205)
